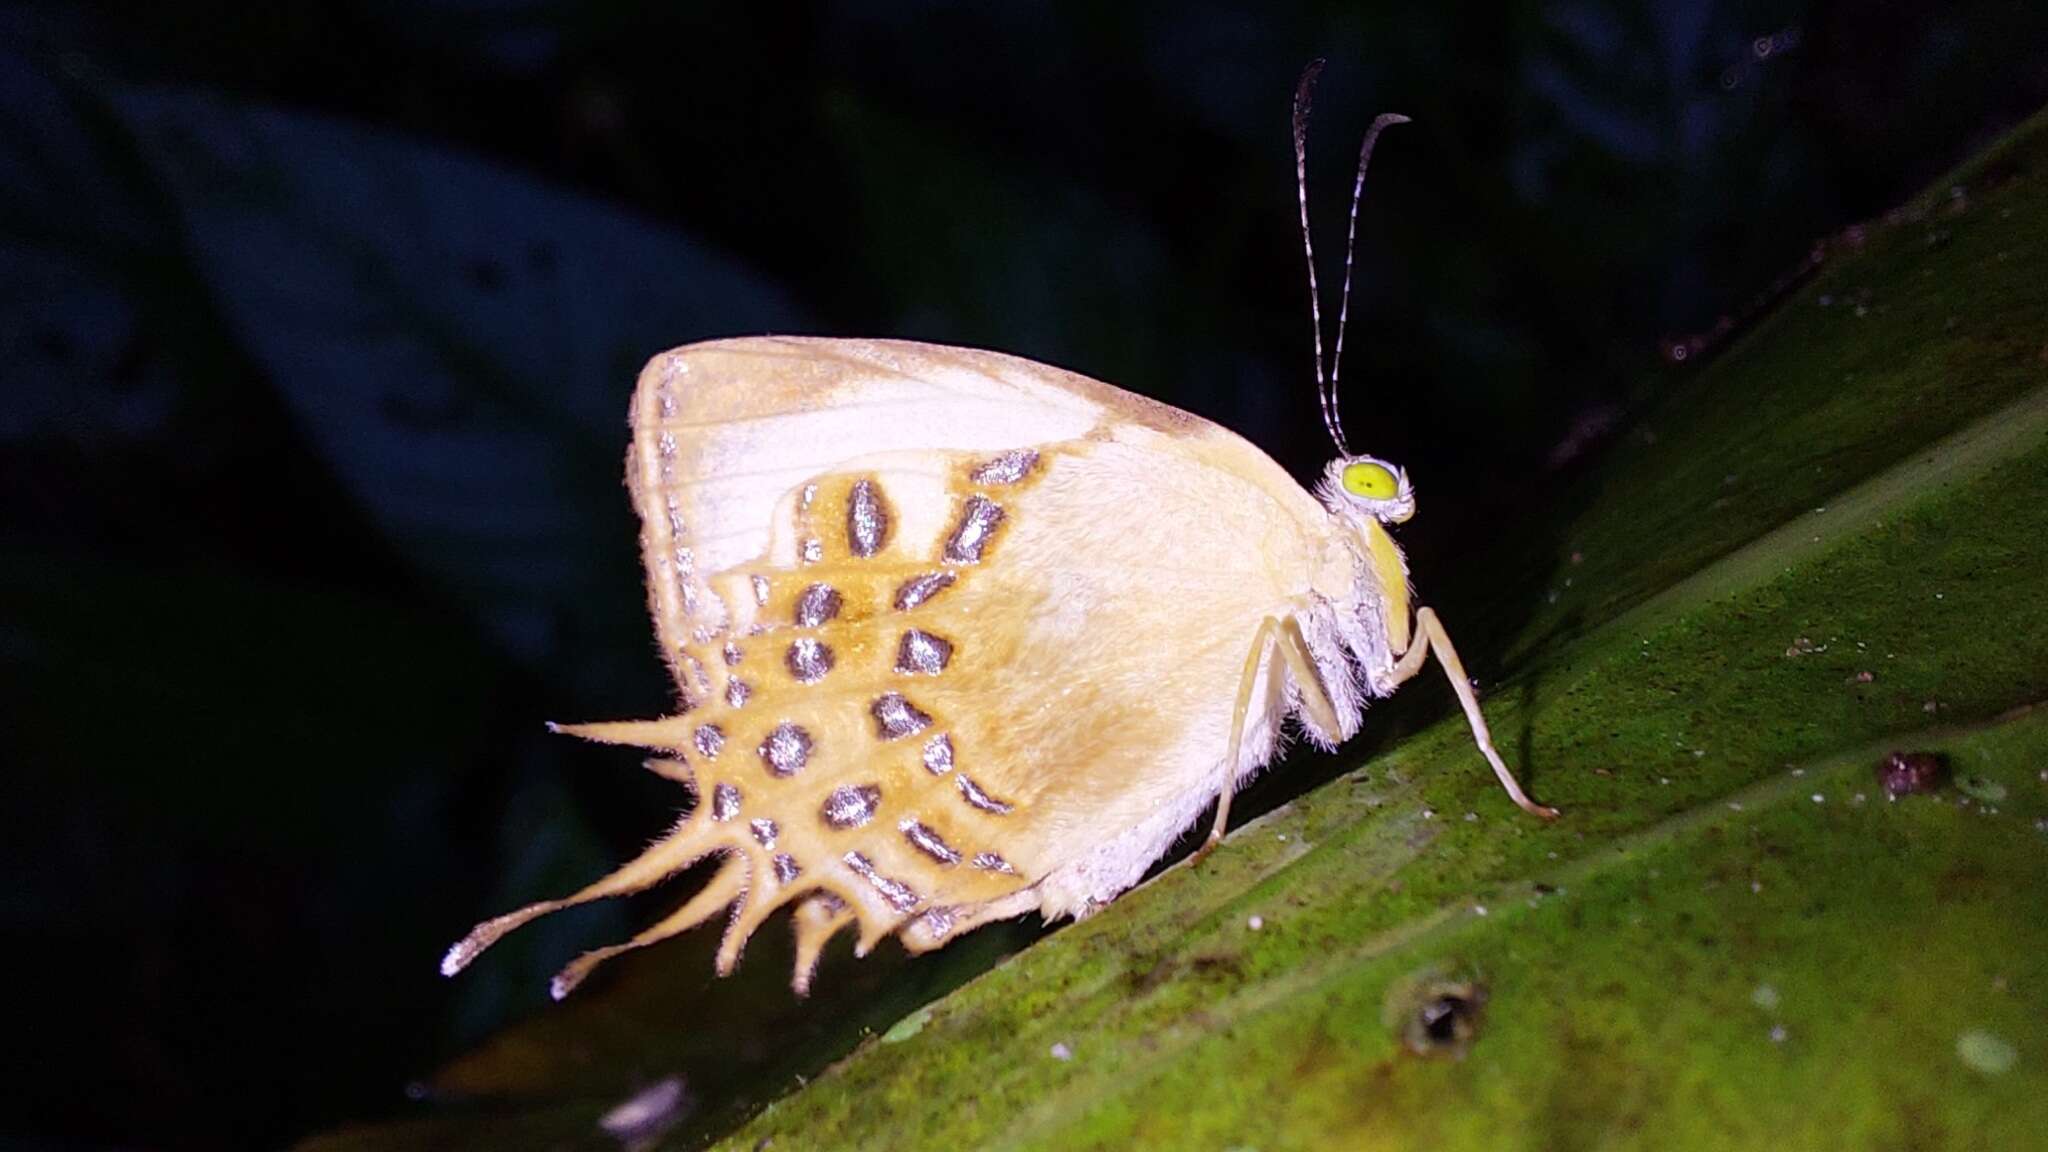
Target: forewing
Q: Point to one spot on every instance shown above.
(725, 431)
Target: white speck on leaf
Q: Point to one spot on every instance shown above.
(1987, 1053)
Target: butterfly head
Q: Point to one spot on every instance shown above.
(1361, 487)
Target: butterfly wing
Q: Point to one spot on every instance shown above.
(957, 635)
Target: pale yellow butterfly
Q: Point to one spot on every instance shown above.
(959, 636)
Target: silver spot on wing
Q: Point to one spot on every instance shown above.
(760, 584)
(851, 805)
(922, 654)
(978, 521)
(710, 740)
(786, 868)
(736, 692)
(928, 842)
(867, 522)
(938, 754)
(725, 803)
(732, 654)
(919, 589)
(896, 717)
(808, 659)
(817, 604)
(787, 749)
(982, 800)
(814, 550)
(764, 832)
(899, 895)
(1008, 468)
(685, 563)
(938, 922)
(990, 862)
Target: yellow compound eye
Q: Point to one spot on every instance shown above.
(1372, 481)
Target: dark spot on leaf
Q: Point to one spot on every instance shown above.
(1435, 1017)
(1144, 976)
(1445, 1020)
(1903, 773)
(1218, 966)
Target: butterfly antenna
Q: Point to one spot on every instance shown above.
(1330, 413)
(1324, 396)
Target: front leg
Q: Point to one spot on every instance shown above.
(1431, 637)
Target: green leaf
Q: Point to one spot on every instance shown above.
(1826, 547)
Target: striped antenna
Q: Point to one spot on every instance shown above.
(1350, 242)
(1326, 386)
(1303, 92)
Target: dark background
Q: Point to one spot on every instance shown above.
(318, 321)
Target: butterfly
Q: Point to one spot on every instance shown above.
(958, 636)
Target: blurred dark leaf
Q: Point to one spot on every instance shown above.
(456, 341)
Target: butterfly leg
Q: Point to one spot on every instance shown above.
(1431, 637)
(1245, 683)
(1286, 636)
